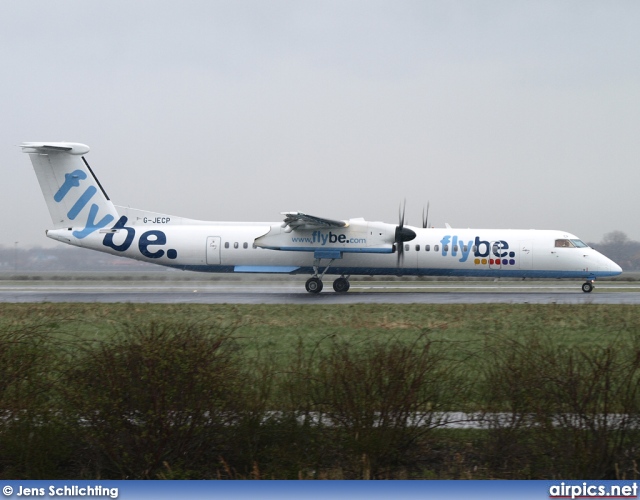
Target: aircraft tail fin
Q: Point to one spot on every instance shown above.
(74, 195)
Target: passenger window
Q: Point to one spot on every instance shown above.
(417, 248)
(455, 248)
(427, 248)
(407, 247)
(465, 249)
(226, 244)
(445, 248)
(474, 249)
(245, 245)
(235, 245)
(436, 248)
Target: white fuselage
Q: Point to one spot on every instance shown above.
(223, 247)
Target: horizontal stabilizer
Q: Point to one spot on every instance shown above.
(72, 148)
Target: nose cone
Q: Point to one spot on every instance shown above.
(604, 265)
(610, 267)
(615, 268)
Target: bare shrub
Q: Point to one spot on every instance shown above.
(20, 358)
(32, 439)
(562, 412)
(156, 397)
(375, 401)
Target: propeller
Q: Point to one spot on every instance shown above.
(425, 218)
(402, 233)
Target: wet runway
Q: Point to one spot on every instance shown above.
(264, 292)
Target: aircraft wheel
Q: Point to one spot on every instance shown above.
(313, 285)
(587, 287)
(341, 285)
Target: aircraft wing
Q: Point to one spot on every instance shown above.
(298, 220)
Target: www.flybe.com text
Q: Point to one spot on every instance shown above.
(322, 239)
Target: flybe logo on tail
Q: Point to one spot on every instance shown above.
(150, 244)
(484, 252)
(71, 181)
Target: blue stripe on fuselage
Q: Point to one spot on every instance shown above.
(394, 271)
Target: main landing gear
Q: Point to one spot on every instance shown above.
(314, 284)
(340, 285)
(587, 287)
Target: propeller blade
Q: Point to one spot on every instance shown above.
(400, 260)
(398, 240)
(402, 234)
(425, 218)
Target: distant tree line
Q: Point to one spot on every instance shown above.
(66, 258)
(616, 245)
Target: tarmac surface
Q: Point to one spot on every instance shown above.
(290, 292)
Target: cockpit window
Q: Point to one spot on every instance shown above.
(579, 243)
(564, 244)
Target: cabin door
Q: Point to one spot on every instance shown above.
(525, 255)
(213, 250)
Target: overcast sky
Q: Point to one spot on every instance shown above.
(507, 114)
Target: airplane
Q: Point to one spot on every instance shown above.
(84, 216)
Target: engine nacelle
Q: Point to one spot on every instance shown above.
(358, 236)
